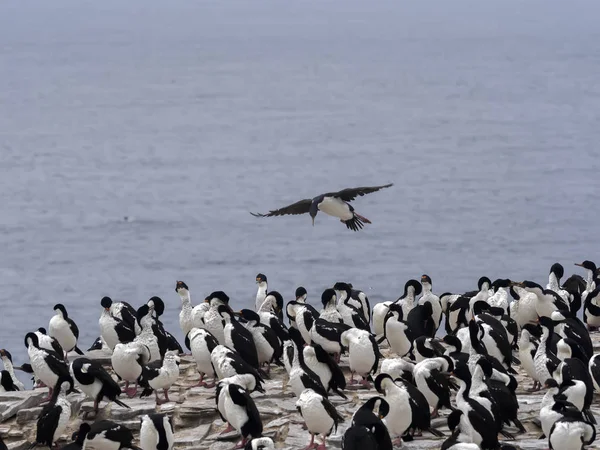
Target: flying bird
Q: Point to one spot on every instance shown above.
(333, 203)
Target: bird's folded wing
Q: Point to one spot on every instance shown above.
(351, 193)
(300, 207)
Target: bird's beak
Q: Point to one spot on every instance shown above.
(580, 265)
(313, 220)
(516, 283)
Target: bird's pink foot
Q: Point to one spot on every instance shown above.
(397, 442)
(240, 444)
(365, 383)
(229, 429)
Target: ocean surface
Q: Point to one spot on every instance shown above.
(185, 116)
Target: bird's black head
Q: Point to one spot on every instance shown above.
(496, 311)
(261, 278)
(42, 330)
(218, 295)
(181, 285)
(482, 281)
(378, 406)
(313, 210)
(453, 341)
(480, 306)
(514, 293)
(158, 304)
(558, 270)
(300, 292)
(6, 353)
(278, 300)
(60, 307)
(589, 265)
(379, 381)
(225, 310)
(327, 296)
(550, 383)
(530, 285)
(425, 279)
(247, 314)
(415, 285)
(33, 339)
(79, 436)
(341, 286)
(533, 329)
(546, 322)
(501, 283)
(106, 302)
(142, 312)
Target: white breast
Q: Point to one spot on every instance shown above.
(236, 414)
(396, 335)
(99, 442)
(124, 362)
(400, 415)
(59, 329)
(379, 312)
(314, 414)
(201, 354)
(361, 355)
(107, 329)
(335, 207)
(40, 368)
(213, 322)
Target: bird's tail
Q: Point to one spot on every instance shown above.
(362, 218)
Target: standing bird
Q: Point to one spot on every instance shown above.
(261, 293)
(320, 416)
(112, 329)
(363, 354)
(128, 361)
(367, 431)
(54, 418)
(64, 330)
(202, 343)
(95, 382)
(47, 366)
(156, 432)
(333, 203)
(159, 375)
(8, 366)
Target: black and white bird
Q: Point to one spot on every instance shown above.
(320, 416)
(108, 435)
(430, 297)
(367, 431)
(166, 341)
(271, 314)
(406, 302)
(228, 363)
(397, 332)
(127, 361)
(202, 343)
(237, 408)
(352, 315)
(238, 337)
(190, 316)
(147, 337)
(95, 382)
(322, 364)
(301, 377)
(528, 345)
(48, 342)
(335, 204)
(112, 329)
(572, 431)
(156, 432)
(432, 378)
(9, 368)
(363, 354)
(268, 346)
(594, 368)
(261, 293)
(55, 415)
(213, 321)
(160, 375)
(6, 382)
(78, 437)
(64, 330)
(47, 366)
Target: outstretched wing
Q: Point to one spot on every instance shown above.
(300, 207)
(351, 193)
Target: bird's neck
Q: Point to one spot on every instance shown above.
(553, 282)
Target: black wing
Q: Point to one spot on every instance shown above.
(337, 376)
(300, 207)
(172, 343)
(74, 328)
(57, 365)
(240, 396)
(47, 423)
(351, 193)
(332, 412)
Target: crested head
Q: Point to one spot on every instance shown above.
(248, 314)
(261, 278)
(5, 354)
(426, 279)
(588, 265)
(501, 283)
(181, 288)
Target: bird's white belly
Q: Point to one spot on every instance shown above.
(336, 208)
(41, 369)
(379, 312)
(61, 331)
(316, 417)
(148, 436)
(202, 357)
(362, 357)
(126, 366)
(236, 414)
(100, 442)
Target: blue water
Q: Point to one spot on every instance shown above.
(184, 116)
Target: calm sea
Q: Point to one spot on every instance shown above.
(184, 116)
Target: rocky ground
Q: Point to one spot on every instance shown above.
(197, 423)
